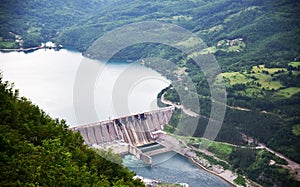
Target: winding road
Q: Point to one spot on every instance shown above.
(184, 109)
(292, 166)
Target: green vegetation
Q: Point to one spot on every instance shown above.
(288, 92)
(240, 180)
(7, 45)
(221, 150)
(236, 45)
(8, 42)
(234, 78)
(249, 161)
(260, 80)
(36, 150)
(296, 129)
(260, 68)
(294, 64)
(259, 77)
(212, 160)
(258, 166)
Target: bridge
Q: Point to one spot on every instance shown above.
(128, 132)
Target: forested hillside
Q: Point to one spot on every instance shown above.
(36, 150)
(256, 43)
(267, 26)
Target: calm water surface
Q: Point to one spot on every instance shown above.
(47, 77)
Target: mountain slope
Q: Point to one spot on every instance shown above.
(260, 69)
(36, 150)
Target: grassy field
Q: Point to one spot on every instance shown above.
(236, 78)
(265, 77)
(261, 68)
(294, 64)
(223, 45)
(266, 82)
(190, 42)
(8, 45)
(288, 92)
(260, 79)
(221, 150)
(251, 91)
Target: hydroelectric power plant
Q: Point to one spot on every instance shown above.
(129, 134)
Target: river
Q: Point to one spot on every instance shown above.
(174, 168)
(46, 77)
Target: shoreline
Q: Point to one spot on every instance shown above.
(190, 158)
(29, 49)
(228, 177)
(211, 172)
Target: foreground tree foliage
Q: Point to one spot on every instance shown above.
(36, 150)
(270, 33)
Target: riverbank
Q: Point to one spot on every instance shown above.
(183, 149)
(292, 167)
(229, 179)
(214, 168)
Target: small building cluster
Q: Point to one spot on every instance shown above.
(226, 42)
(12, 37)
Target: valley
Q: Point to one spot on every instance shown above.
(255, 44)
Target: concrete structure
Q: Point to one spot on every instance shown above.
(139, 154)
(134, 130)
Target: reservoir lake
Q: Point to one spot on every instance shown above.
(47, 78)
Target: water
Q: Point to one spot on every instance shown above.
(151, 147)
(47, 77)
(173, 168)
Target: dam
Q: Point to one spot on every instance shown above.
(126, 134)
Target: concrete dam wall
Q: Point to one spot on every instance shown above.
(138, 129)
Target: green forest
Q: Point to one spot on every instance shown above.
(36, 150)
(254, 163)
(256, 44)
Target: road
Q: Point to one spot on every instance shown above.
(183, 108)
(292, 165)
